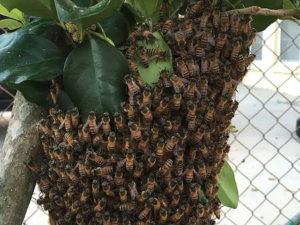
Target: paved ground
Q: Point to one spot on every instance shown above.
(265, 154)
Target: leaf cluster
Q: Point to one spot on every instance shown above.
(86, 52)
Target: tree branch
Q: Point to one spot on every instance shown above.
(21, 143)
(255, 10)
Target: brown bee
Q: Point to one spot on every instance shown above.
(132, 86)
(178, 83)
(236, 47)
(67, 122)
(175, 199)
(203, 149)
(129, 161)
(191, 90)
(46, 145)
(92, 122)
(147, 115)
(133, 191)
(191, 111)
(130, 52)
(87, 136)
(221, 103)
(149, 37)
(193, 67)
(214, 64)
(179, 213)
(74, 117)
(210, 113)
(188, 30)
(167, 26)
(45, 128)
(151, 161)
(123, 195)
(195, 9)
(118, 178)
(193, 192)
(133, 68)
(85, 195)
(101, 205)
(138, 170)
(163, 216)
(165, 168)
(202, 170)
(119, 122)
(204, 18)
(216, 17)
(182, 68)
(160, 150)
(203, 86)
(53, 93)
(199, 51)
(199, 211)
(171, 143)
(206, 38)
(208, 189)
(73, 143)
(249, 60)
(224, 21)
(93, 156)
(107, 190)
(162, 106)
(144, 213)
(128, 109)
(252, 38)
(135, 131)
(71, 174)
(157, 94)
(176, 124)
(34, 167)
(144, 196)
(155, 52)
(235, 24)
(155, 204)
(179, 163)
(245, 26)
(127, 206)
(99, 171)
(143, 57)
(180, 37)
(189, 172)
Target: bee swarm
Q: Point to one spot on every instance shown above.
(155, 165)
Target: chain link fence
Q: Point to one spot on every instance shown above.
(265, 153)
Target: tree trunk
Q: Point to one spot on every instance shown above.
(21, 143)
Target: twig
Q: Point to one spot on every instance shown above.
(5, 31)
(255, 10)
(238, 3)
(102, 30)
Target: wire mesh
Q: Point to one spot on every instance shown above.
(265, 152)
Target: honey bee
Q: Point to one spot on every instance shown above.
(47, 132)
(118, 178)
(204, 18)
(127, 207)
(203, 86)
(133, 191)
(34, 167)
(235, 23)
(224, 21)
(105, 120)
(175, 199)
(74, 117)
(236, 47)
(171, 143)
(67, 122)
(155, 52)
(143, 144)
(203, 149)
(221, 103)
(135, 36)
(208, 189)
(138, 170)
(249, 60)
(178, 83)
(199, 51)
(195, 9)
(245, 26)
(53, 93)
(162, 106)
(73, 143)
(165, 168)
(192, 90)
(180, 37)
(147, 115)
(119, 122)
(107, 190)
(132, 86)
(214, 64)
(215, 191)
(189, 172)
(171, 187)
(176, 124)
(179, 163)
(163, 216)
(106, 218)
(252, 38)
(188, 30)
(167, 124)
(87, 136)
(210, 113)
(167, 26)
(46, 145)
(160, 150)
(151, 161)
(101, 205)
(149, 37)
(179, 213)
(133, 68)
(135, 131)
(182, 68)
(85, 195)
(143, 57)
(191, 110)
(193, 192)
(71, 174)
(157, 94)
(96, 193)
(123, 195)
(130, 52)
(216, 17)
(128, 109)
(206, 38)
(99, 171)
(200, 132)
(129, 161)
(95, 158)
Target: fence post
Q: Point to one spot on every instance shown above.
(21, 143)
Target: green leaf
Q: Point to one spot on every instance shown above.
(38, 26)
(41, 8)
(82, 3)
(35, 92)
(93, 77)
(201, 197)
(174, 6)
(151, 75)
(83, 17)
(10, 24)
(145, 7)
(28, 57)
(137, 15)
(63, 100)
(115, 28)
(128, 15)
(155, 17)
(287, 4)
(228, 193)
(14, 14)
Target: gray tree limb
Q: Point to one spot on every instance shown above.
(255, 10)
(21, 143)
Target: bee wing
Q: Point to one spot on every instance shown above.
(175, 149)
(62, 125)
(108, 177)
(198, 94)
(98, 126)
(211, 40)
(183, 80)
(197, 175)
(135, 163)
(157, 187)
(183, 174)
(176, 89)
(121, 163)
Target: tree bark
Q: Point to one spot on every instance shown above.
(21, 143)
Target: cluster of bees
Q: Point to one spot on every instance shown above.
(155, 162)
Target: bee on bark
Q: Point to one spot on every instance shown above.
(47, 132)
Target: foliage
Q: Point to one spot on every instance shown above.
(93, 77)
(94, 70)
(228, 192)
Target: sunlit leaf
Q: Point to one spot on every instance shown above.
(10, 24)
(14, 14)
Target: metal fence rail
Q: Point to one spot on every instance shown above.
(265, 151)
